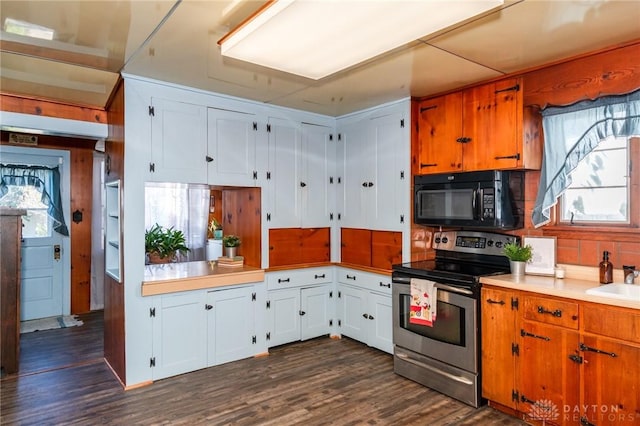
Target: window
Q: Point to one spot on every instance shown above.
(36, 224)
(599, 189)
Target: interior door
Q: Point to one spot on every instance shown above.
(43, 288)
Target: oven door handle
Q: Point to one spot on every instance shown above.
(459, 379)
(452, 289)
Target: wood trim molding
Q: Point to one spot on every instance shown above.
(32, 106)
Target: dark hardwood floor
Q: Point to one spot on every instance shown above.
(316, 382)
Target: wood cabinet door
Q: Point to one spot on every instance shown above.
(549, 373)
(439, 127)
(498, 339)
(611, 382)
(492, 120)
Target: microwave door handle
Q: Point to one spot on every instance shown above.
(474, 203)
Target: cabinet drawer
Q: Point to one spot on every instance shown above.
(366, 280)
(551, 311)
(298, 277)
(613, 322)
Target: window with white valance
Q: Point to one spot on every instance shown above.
(572, 133)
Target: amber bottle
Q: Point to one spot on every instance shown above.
(606, 269)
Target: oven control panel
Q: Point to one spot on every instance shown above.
(472, 242)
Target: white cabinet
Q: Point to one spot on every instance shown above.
(300, 162)
(178, 142)
(364, 308)
(299, 305)
(179, 333)
(201, 328)
(113, 260)
(231, 153)
(373, 151)
(230, 324)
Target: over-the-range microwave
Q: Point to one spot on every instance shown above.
(492, 199)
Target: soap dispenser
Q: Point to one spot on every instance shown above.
(606, 269)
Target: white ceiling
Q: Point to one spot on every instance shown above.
(176, 41)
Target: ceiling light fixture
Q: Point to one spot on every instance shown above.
(315, 39)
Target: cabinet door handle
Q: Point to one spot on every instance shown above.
(208, 307)
(557, 313)
(364, 184)
(351, 277)
(463, 140)
(509, 89)
(370, 184)
(283, 280)
(367, 316)
(585, 348)
(209, 159)
(318, 276)
(515, 156)
(302, 313)
(302, 184)
(527, 334)
(495, 302)
(387, 285)
(423, 165)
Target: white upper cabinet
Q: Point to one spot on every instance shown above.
(178, 142)
(318, 155)
(300, 161)
(231, 154)
(373, 152)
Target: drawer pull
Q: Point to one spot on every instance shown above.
(283, 280)
(351, 277)
(526, 334)
(388, 285)
(495, 302)
(318, 276)
(557, 313)
(585, 348)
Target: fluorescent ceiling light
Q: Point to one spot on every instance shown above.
(15, 26)
(317, 38)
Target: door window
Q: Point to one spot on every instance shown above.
(36, 223)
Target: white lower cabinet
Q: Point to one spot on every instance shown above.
(230, 324)
(364, 308)
(299, 305)
(201, 328)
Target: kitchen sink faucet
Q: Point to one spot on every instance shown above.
(630, 272)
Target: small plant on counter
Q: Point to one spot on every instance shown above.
(164, 243)
(215, 229)
(231, 241)
(517, 253)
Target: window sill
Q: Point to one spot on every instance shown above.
(597, 233)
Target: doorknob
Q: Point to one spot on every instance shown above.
(56, 252)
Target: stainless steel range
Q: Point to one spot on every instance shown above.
(446, 355)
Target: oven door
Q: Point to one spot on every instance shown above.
(453, 339)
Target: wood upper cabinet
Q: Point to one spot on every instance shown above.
(440, 124)
(499, 314)
(481, 128)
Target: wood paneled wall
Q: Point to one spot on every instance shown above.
(114, 330)
(81, 156)
(45, 108)
(373, 249)
(299, 246)
(609, 72)
(242, 217)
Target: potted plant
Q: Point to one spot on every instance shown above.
(518, 256)
(215, 229)
(162, 244)
(230, 243)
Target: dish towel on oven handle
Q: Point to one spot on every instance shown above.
(424, 300)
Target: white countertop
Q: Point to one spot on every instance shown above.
(570, 288)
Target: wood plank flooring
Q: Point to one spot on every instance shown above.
(316, 382)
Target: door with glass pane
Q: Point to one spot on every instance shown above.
(42, 274)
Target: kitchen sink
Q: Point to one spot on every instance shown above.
(617, 291)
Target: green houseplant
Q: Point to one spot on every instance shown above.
(215, 229)
(518, 256)
(161, 244)
(231, 243)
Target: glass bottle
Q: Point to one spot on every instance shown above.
(606, 269)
